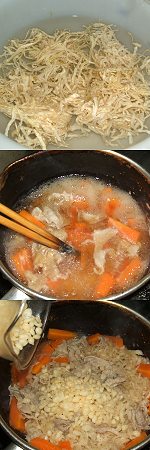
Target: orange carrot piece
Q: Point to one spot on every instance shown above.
(135, 441)
(144, 370)
(43, 444)
(93, 339)
(22, 260)
(45, 348)
(80, 204)
(129, 233)
(65, 445)
(14, 374)
(44, 360)
(129, 271)
(116, 340)
(16, 419)
(61, 360)
(78, 233)
(19, 377)
(60, 334)
(38, 366)
(55, 343)
(105, 285)
(44, 355)
(111, 205)
(77, 205)
(54, 285)
(32, 219)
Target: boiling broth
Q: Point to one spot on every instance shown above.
(104, 223)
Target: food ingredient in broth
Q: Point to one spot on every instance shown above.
(82, 393)
(105, 224)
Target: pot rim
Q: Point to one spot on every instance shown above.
(30, 292)
(20, 441)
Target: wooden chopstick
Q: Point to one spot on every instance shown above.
(30, 230)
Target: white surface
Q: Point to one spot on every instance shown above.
(132, 15)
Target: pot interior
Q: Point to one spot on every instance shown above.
(30, 172)
(85, 318)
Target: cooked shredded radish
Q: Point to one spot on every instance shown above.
(56, 86)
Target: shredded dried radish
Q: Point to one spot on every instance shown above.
(56, 86)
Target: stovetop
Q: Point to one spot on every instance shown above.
(137, 301)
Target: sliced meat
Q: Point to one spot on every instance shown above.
(104, 428)
(62, 424)
(127, 249)
(100, 259)
(61, 197)
(91, 217)
(101, 237)
(97, 362)
(139, 417)
(47, 215)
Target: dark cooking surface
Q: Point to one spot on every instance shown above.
(143, 158)
(78, 315)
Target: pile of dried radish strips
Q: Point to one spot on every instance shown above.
(54, 87)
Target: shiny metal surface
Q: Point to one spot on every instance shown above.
(15, 295)
(39, 309)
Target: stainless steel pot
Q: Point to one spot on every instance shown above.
(21, 177)
(104, 317)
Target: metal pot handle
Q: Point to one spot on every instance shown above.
(15, 294)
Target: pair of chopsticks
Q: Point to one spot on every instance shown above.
(30, 230)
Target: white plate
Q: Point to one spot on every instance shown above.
(131, 15)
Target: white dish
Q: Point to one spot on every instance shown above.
(130, 15)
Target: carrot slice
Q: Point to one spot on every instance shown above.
(44, 360)
(16, 419)
(77, 205)
(111, 205)
(60, 334)
(45, 348)
(93, 339)
(44, 355)
(116, 340)
(54, 285)
(144, 370)
(61, 359)
(32, 219)
(55, 343)
(22, 260)
(135, 441)
(43, 444)
(38, 366)
(129, 271)
(105, 285)
(129, 233)
(78, 233)
(65, 445)
(19, 377)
